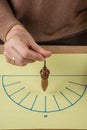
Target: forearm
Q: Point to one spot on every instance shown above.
(7, 19)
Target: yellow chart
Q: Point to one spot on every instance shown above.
(63, 105)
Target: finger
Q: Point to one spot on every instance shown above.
(8, 58)
(27, 53)
(30, 54)
(37, 48)
(40, 50)
(20, 61)
(25, 46)
(14, 62)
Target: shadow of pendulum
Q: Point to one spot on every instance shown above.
(44, 72)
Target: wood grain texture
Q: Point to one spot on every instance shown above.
(48, 129)
(61, 49)
(67, 49)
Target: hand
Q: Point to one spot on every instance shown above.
(21, 46)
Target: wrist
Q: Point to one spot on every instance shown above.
(14, 30)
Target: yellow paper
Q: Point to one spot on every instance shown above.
(24, 105)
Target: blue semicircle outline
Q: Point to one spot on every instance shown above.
(44, 111)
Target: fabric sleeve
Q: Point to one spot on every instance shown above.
(7, 19)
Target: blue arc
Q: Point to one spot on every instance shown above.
(45, 110)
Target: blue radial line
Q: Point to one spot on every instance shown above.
(56, 102)
(76, 83)
(24, 97)
(12, 83)
(45, 103)
(72, 91)
(66, 98)
(67, 75)
(17, 91)
(21, 75)
(34, 102)
(86, 85)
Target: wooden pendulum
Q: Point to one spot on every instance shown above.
(44, 76)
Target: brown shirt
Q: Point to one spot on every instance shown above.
(45, 20)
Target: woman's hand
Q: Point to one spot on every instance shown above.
(21, 49)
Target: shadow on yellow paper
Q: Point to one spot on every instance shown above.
(24, 105)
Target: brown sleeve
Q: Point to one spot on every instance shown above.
(7, 19)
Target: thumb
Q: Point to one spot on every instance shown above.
(40, 50)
